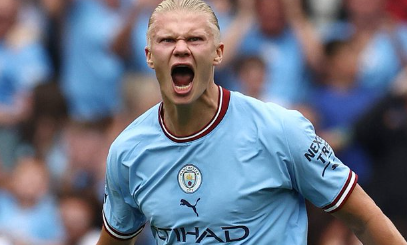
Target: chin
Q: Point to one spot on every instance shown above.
(184, 100)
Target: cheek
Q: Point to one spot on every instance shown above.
(203, 55)
(160, 52)
(204, 73)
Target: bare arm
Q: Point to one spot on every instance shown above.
(235, 33)
(305, 32)
(106, 239)
(367, 221)
(121, 45)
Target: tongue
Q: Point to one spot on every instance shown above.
(182, 77)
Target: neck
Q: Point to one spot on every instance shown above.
(183, 120)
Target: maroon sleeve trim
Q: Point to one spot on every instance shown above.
(344, 194)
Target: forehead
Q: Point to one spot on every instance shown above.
(181, 22)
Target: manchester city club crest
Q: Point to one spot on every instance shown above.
(189, 178)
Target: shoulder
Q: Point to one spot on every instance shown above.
(249, 103)
(266, 115)
(142, 129)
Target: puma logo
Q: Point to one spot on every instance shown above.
(186, 203)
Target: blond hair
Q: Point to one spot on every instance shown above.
(188, 5)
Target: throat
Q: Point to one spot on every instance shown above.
(187, 120)
(182, 121)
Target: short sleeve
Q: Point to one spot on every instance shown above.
(121, 216)
(316, 172)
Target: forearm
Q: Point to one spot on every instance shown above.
(233, 38)
(305, 33)
(368, 222)
(121, 45)
(379, 230)
(237, 30)
(310, 43)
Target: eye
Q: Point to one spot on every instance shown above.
(195, 39)
(167, 40)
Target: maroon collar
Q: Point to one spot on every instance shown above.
(223, 104)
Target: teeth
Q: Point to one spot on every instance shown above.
(183, 87)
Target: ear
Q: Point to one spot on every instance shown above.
(219, 54)
(149, 58)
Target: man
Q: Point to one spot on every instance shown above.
(211, 166)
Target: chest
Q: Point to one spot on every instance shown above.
(208, 186)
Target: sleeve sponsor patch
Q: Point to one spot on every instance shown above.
(322, 152)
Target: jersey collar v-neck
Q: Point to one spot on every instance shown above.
(223, 104)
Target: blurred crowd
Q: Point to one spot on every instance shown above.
(73, 75)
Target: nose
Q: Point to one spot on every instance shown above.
(181, 48)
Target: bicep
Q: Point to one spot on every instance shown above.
(357, 210)
(106, 239)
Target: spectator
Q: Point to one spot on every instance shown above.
(87, 148)
(131, 37)
(28, 214)
(339, 102)
(224, 10)
(23, 65)
(91, 77)
(42, 132)
(380, 43)
(383, 133)
(284, 38)
(78, 212)
(251, 72)
(90, 71)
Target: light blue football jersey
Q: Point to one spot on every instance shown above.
(242, 179)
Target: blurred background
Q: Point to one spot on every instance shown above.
(73, 75)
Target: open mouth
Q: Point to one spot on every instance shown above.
(182, 77)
